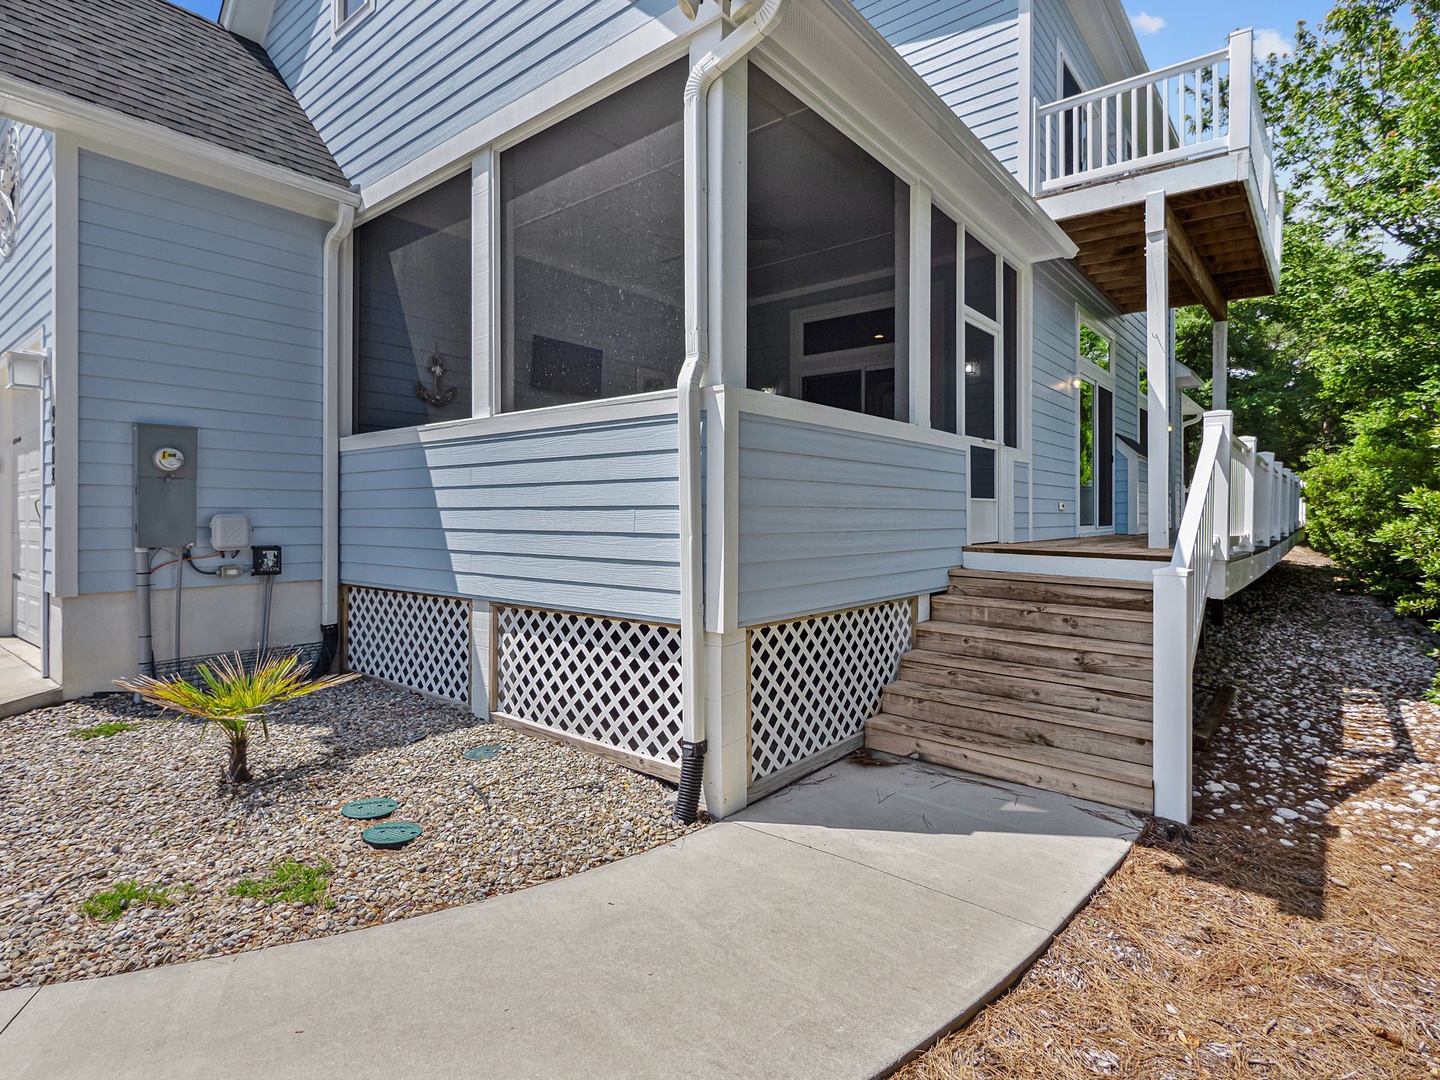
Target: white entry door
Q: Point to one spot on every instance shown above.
(28, 458)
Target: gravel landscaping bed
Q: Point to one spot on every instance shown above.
(1291, 931)
(79, 816)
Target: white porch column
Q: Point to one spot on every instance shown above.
(1219, 365)
(1157, 366)
(727, 762)
(919, 305)
(1174, 707)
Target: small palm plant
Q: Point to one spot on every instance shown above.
(233, 697)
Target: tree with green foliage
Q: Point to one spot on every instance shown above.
(1355, 330)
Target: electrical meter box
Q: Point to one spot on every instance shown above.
(166, 467)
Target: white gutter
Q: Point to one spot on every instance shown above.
(330, 420)
(697, 353)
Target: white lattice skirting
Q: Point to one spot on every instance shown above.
(814, 682)
(613, 682)
(418, 641)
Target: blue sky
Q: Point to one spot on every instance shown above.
(1169, 30)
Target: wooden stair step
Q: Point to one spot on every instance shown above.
(1082, 775)
(1089, 592)
(1064, 729)
(1025, 682)
(1125, 659)
(1114, 624)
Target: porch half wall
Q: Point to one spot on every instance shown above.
(578, 516)
(834, 513)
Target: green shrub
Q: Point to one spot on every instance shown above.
(110, 904)
(103, 731)
(290, 881)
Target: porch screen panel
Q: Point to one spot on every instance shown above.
(1010, 312)
(412, 311)
(592, 248)
(944, 329)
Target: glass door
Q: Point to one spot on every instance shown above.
(1096, 443)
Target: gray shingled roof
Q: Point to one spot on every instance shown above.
(154, 61)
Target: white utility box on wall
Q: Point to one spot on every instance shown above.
(229, 532)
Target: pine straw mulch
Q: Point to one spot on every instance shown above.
(1294, 929)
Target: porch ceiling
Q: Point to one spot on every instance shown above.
(1219, 224)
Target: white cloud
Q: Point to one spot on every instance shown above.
(1145, 23)
(1271, 43)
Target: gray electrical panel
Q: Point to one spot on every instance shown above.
(166, 466)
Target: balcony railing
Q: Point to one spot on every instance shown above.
(1194, 109)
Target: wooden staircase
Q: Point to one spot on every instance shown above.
(1033, 678)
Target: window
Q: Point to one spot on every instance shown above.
(944, 325)
(348, 11)
(412, 311)
(592, 250)
(1074, 146)
(822, 259)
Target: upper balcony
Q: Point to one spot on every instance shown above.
(1193, 130)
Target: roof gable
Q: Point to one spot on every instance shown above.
(156, 62)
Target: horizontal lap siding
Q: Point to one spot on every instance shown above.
(414, 72)
(1052, 26)
(968, 53)
(203, 309)
(833, 519)
(580, 519)
(26, 304)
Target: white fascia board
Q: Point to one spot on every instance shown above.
(248, 18)
(1175, 179)
(1107, 30)
(155, 147)
(857, 80)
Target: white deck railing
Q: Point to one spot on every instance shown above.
(1240, 502)
(1196, 108)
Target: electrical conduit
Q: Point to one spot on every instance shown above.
(697, 347)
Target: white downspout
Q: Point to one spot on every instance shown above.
(697, 358)
(330, 422)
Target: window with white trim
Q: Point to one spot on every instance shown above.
(348, 12)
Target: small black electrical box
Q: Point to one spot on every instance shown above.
(265, 560)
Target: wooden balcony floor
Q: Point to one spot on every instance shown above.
(1118, 546)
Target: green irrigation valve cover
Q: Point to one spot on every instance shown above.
(365, 809)
(483, 753)
(391, 834)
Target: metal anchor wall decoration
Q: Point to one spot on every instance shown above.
(438, 396)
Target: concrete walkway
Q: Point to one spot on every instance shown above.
(21, 687)
(827, 931)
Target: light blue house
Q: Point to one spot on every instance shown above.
(641, 373)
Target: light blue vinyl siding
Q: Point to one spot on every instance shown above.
(204, 309)
(582, 518)
(1051, 26)
(833, 519)
(414, 72)
(26, 304)
(1058, 291)
(969, 53)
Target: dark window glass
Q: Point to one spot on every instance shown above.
(979, 277)
(412, 311)
(944, 331)
(1011, 319)
(979, 383)
(842, 390)
(858, 331)
(1105, 459)
(1072, 149)
(593, 243)
(982, 472)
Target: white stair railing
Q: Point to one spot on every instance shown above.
(1241, 501)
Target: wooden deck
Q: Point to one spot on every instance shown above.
(1119, 546)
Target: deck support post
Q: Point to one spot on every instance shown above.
(1157, 366)
(1219, 365)
(727, 718)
